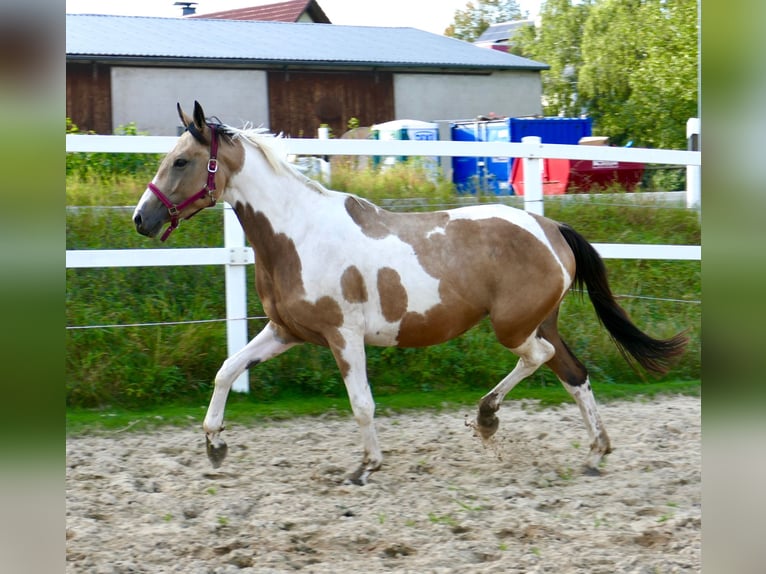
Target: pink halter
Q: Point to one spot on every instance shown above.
(212, 167)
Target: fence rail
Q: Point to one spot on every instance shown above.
(235, 255)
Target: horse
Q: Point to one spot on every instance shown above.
(333, 269)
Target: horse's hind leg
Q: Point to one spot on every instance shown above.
(574, 376)
(534, 352)
(265, 345)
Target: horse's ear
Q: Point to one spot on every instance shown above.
(199, 116)
(203, 130)
(185, 120)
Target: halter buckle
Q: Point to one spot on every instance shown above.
(212, 165)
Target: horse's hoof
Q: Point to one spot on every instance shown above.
(487, 421)
(591, 471)
(216, 450)
(356, 479)
(487, 427)
(360, 475)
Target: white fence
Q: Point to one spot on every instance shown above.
(235, 255)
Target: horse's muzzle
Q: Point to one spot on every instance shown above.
(144, 228)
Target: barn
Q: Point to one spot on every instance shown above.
(290, 77)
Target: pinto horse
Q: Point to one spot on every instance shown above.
(335, 270)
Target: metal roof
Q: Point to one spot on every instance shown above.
(502, 31)
(199, 40)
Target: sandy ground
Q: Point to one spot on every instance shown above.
(151, 502)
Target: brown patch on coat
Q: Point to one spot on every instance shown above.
(280, 286)
(378, 223)
(484, 267)
(393, 295)
(353, 286)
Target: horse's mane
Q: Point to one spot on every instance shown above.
(274, 150)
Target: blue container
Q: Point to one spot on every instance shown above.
(491, 174)
(551, 130)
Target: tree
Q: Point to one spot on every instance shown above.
(638, 78)
(557, 43)
(477, 17)
(631, 65)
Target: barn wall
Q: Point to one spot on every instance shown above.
(431, 97)
(148, 96)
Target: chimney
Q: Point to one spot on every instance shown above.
(187, 8)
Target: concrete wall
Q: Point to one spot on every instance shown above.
(433, 97)
(148, 97)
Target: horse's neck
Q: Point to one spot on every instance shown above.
(278, 200)
(276, 191)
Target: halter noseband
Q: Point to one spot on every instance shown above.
(212, 167)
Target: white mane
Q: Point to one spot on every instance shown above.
(275, 151)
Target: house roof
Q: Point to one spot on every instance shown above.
(199, 41)
(289, 11)
(501, 31)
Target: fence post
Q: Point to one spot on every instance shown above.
(236, 291)
(533, 179)
(323, 133)
(693, 172)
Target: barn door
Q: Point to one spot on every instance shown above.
(89, 96)
(300, 102)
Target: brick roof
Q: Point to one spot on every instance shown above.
(289, 11)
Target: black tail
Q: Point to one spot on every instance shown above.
(653, 354)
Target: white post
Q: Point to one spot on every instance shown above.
(533, 179)
(236, 291)
(324, 134)
(693, 172)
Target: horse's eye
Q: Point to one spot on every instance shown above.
(180, 163)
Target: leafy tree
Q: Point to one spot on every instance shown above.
(664, 83)
(478, 16)
(557, 42)
(638, 78)
(631, 65)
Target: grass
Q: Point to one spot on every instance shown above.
(243, 410)
(167, 371)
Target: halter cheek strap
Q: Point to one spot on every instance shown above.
(208, 190)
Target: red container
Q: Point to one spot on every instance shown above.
(580, 175)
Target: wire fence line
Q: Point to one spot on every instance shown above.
(644, 199)
(265, 318)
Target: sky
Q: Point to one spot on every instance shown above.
(429, 15)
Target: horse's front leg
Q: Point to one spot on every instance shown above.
(265, 345)
(351, 359)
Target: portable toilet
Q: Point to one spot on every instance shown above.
(487, 174)
(406, 130)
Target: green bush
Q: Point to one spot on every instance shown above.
(111, 167)
(144, 365)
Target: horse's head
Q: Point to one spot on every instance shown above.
(191, 177)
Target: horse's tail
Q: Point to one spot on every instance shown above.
(653, 354)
